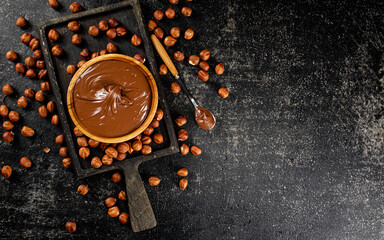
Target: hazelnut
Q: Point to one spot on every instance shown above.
(66, 162)
(8, 136)
(121, 31)
(53, 35)
(159, 114)
(21, 22)
(183, 183)
(73, 26)
(59, 139)
(116, 177)
(178, 56)
(113, 22)
(11, 55)
(6, 171)
(111, 48)
(111, 151)
(84, 152)
(111, 33)
(163, 69)
(37, 54)
(151, 25)
(184, 149)
(136, 40)
(70, 226)
(63, 152)
(155, 123)
(186, 11)
(146, 139)
(51, 106)
(175, 32)
(25, 162)
(85, 54)
(137, 145)
(77, 132)
(180, 120)
(203, 75)
(121, 156)
(122, 195)
(31, 73)
(42, 74)
(140, 58)
(29, 93)
(57, 51)
(7, 125)
(158, 138)
(29, 62)
(96, 162)
(170, 13)
(114, 211)
(138, 137)
(27, 131)
(55, 120)
(204, 65)
(182, 135)
(195, 150)
(22, 102)
(107, 160)
(77, 39)
(223, 92)
(71, 69)
(75, 7)
(81, 63)
(148, 131)
(123, 218)
(204, 55)
(158, 15)
(103, 52)
(93, 31)
(110, 202)
(175, 88)
(83, 189)
(193, 60)
(40, 96)
(189, 34)
(13, 116)
(4, 110)
(169, 41)
(93, 143)
(7, 89)
(159, 33)
(82, 141)
(47, 150)
(54, 4)
(44, 86)
(219, 69)
(20, 68)
(34, 43)
(40, 64)
(103, 25)
(174, 1)
(26, 38)
(153, 181)
(123, 147)
(183, 172)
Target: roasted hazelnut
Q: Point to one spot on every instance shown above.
(84, 152)
(121, 31)
(6, 171)
(53, 35)
(179, 56)
(63, 152)
(219, 69)
(121, 156)
(169, 41)
(183, 172)
(96, 162)
(111, 33)
(175, 88)
(158, 138)
(123, 218)
(22, 102)
(186, 11)
(223, 92)
(93, 31)
(44, 86)
(155, 123)
(184, 149)
(183, 183)
(4, 110)
(13, 116)
(136, 40)
(40, 96)
(116, 177)
(111, 151)
(159, 33)
(20, 68)
(113, 22)
(77, 132)
(158, 15)
(110, 202)
(31, 73)
(51, 106)
(163, 69)
(195, 150)
(137, 145)
(93, 143)
(34, 44)
(11, 55)
(7, 125)
(71, 69)
(103, 52)
(83, 189)
(57, 51)
(37, 54)
(8, 136)
(123, 147)
(203, 75)
(27, 131)
(42, 74)
(204, 55)
(146, 139)
(95, 54)
(75, 7)
(122, 195)
(55, 120)
(70, 226)
(26, 38)
(77, 39)
(153, 181)
(175, 32)
(151, 25)
(182, 135)
(85, 54)
(111, 48)
(29, 62)
(189, 33)
(180, 120)
(114, 211)
(25, 162)
(66, 162)
(204, 65)
(29, 93)
(7, 89)
(193, 60)
(81, 63)
(40, 64)
(159, 114)
(103, 25)
(140, 58)
(174, 1)
(54, 4)
(170, 13)
(73, 26)
(82, 141)
(107, 160)
(21, 22)
(146, 149)
(138, 137)
(59, 139)
(148, 131)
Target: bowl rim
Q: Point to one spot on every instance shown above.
(109, 57)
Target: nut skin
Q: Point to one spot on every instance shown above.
(223, 92)
(93, 31)
(71, 227)
(75, 7)
(37, 54)
(183, 172)
(205, 54)
(26, 38)
(31, 73)
(44, 86)
(155, 123)
(169, 41)
(54, 4)
(107, 160)
(219, 69)
(42, 74)
(163, 70)
(20, 68)
(121, 31)
(22, 102)
(116, 177)
(82, 141)
(93, 143)
(179, 56)
(184, 149)
(96, 162)
(83, 189)
(183, 184)
(6, 171)
(148, 131)
(140, 58)
(34, 44)
(180, 120)
(8, 136)
(57, 51)
(40, 64)
(111, 48)
(121, 156)
(186, 11)
(21, 22)
(175, 88)
(13, 116)
(146, 149)
(59, 139)
(153, 181)
(55, 120)
(27, 131)
(170, 13)
(123, 217)
(85, 54)
(25, 162)
(29, 62)
(136, 40)
(158, 138)
(67, 162)
(77, 132)
(76, 39)
(71, 69)
(195, 150)
(204, 65)
(151, 25)
(175, 32)
(137, 145)
(182, 135)
(111, 152)
(203, 75)
(4, 110)
(193, 60)
(174, 2)
(189, 33)
(146, 139)
(7, 125)
(53, 35)
(11, 55)
(63, 152)
(103, 25)
(113, 22)
(73, 26)
(159, 33)
(114, 212)
(84, 152)
(51, 106)
(40, 96)
(111, 33)
(7, 89)
(158, 15)
(122, 195)
(110, 202)
(29, 93)
(159, 114)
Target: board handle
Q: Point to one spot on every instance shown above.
(140, 209)
(164, 55)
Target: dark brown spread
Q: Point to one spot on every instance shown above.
(204, 118)
(112, 98)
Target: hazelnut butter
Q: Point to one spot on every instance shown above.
(112, 98)
(204, 118)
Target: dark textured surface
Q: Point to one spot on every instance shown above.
(296, 153)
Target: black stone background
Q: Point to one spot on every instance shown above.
(296, 152)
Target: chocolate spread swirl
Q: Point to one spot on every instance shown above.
(204, 118)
